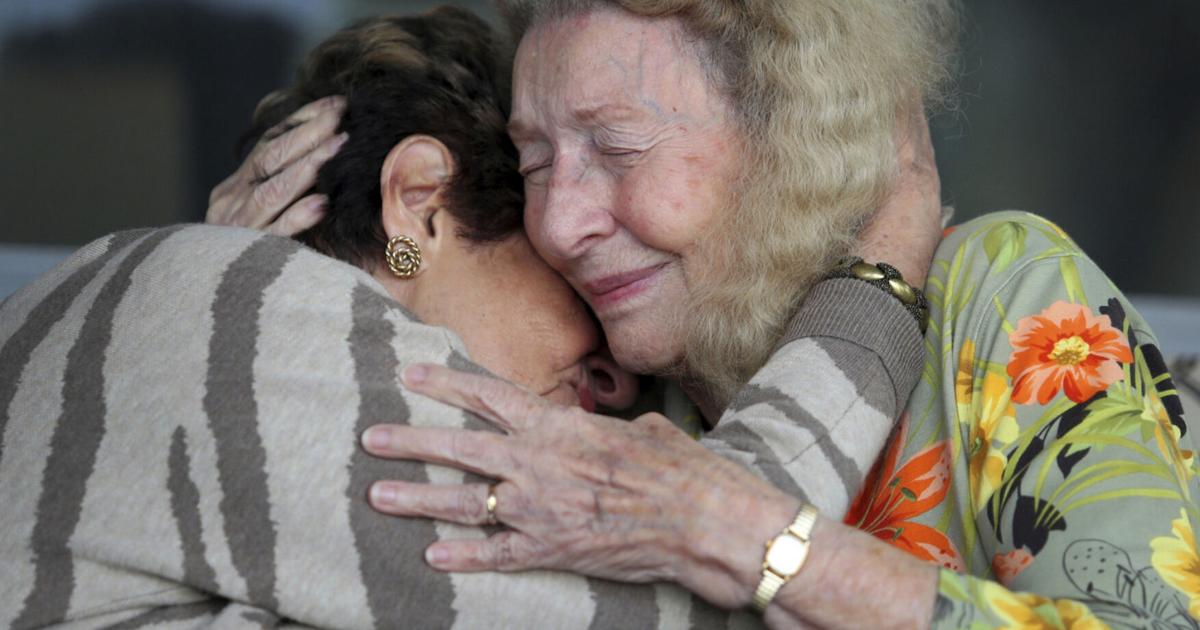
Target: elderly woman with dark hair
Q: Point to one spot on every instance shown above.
(171, 400)
(692, 167)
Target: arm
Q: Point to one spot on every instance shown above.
(815, 418)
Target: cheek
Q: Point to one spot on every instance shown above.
(546, 328)
(535, 216)
(517, 348)
(670, 209)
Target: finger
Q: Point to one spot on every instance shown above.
(486, 454)
(305, 130)
(271, 196)
(462, 504)
(224, 201)
(310, 111)
(506, 551)
(499, 402)
(300, 216)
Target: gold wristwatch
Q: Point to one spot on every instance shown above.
(784, 557)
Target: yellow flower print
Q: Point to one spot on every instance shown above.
(1077, 616)
(964, 380)
(1026, 611)
(994, 427)
(1177, 562)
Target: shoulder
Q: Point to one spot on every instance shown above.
(246, 265)
(1000, 240)
(1007, 262)
(197, 272)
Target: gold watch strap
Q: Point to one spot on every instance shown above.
(771, 582)
(768, 586)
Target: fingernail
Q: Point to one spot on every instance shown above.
(377, 438)
(416, 374)
(436, 555)
(383, 494)
(341, 139)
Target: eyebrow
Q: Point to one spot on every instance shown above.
(608, 112)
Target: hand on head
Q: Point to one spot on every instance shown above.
(267, 192)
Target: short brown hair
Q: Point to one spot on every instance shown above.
(444, 74)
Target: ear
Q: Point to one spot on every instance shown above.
(413, 184)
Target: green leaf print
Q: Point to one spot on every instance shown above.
(1071, 280)
(1004, 243)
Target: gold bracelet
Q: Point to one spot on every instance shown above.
(784, 557)
(888, 279)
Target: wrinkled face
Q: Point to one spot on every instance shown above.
(628, 154)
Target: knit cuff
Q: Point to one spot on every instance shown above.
(856, 312)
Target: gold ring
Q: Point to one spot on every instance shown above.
(491, 505)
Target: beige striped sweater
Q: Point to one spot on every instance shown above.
(179, 416)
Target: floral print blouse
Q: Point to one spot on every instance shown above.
(1043, 461)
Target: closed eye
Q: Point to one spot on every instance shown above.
(537, 174)
(622, 157)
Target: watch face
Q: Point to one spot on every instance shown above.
(786, 555)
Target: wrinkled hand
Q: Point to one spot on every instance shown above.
(264, 193)
(632, 501)
(906, 230)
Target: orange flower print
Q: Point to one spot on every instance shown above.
(1065, 348)
(890, 498)
(1007, 566)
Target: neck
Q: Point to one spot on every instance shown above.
(403, 291)
(710, 408)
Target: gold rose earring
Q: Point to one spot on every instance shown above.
(403, 256)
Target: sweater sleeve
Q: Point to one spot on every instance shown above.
(815, 418)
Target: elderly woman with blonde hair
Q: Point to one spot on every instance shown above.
(694, 168)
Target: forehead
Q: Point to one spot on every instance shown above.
(605, 59)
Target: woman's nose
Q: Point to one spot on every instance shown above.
(576, 212)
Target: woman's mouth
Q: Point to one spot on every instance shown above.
(609, 291)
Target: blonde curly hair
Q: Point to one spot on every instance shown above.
(817, 86)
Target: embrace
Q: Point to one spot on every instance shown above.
(381, 389)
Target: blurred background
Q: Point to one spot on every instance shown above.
(122, 113)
